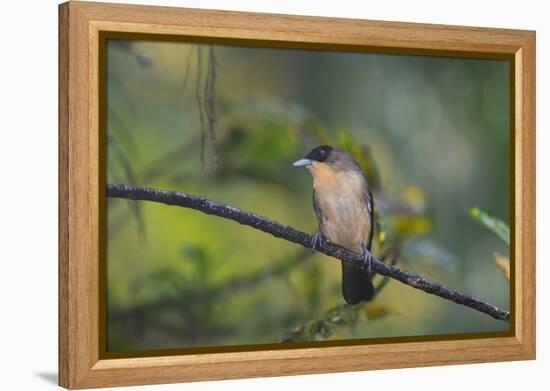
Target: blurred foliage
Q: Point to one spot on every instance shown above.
(501, 230)
(227, 123)
(341, 316)
(498, 227)
(344, 315)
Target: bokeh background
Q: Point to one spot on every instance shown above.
(226, 122)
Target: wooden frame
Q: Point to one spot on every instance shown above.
(80, 24)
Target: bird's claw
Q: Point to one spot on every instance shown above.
(316, 239)
(367, 258)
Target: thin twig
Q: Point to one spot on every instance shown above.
(292, 235)
(187, 66)
(210, 104)
(198, 98)
(386, 279)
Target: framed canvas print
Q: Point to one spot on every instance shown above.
(248, 195)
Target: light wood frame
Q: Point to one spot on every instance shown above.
(80, 23)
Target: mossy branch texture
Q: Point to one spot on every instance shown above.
(290, 234)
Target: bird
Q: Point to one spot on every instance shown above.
(344, 206)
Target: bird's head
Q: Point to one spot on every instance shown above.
(326, 158)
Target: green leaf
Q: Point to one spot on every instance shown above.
(499, 227)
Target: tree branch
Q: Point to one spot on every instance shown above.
(292, 235)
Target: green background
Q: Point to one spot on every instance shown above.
(432, 134)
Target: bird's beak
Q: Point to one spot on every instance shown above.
(302, 163)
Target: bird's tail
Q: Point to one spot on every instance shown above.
(356, 284)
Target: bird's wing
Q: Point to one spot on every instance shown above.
(317, 210)
(370, 209)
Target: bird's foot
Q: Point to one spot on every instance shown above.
(367, 258)
(316, 240)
